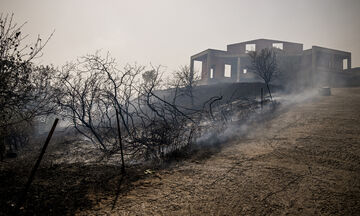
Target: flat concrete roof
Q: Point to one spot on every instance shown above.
(263, 39)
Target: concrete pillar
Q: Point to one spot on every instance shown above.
(313, 72)
(349, 62)
(238, 69)
(208, 65)
(204, 70)
(192, 67)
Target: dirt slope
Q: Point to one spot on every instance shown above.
(303, 162)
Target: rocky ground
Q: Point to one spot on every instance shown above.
(304, 161)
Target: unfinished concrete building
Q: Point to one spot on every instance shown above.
(315, 66)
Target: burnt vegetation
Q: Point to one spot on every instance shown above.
(24, 87)
(265, 65)
(127, 112)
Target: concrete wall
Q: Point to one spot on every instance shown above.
(325, 64)
(218, 64)
(300, 68)
(289, 48)
(204, 69)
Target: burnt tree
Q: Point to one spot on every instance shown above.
(264, 65)
(24, 88)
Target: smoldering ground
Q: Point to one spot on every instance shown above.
(237, 128)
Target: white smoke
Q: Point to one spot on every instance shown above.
(219, 134)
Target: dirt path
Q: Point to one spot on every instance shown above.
(304, 162)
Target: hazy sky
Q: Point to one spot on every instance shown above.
(168, 32)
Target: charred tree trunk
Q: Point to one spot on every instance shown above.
(268, 88)
(120, 142)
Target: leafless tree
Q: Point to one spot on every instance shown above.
(264, 65)
(117, 110)
(184, 82)
(24, 87)
(151, 76)
(82, 96)
(171, 126)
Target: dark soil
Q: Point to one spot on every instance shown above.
(60, 189)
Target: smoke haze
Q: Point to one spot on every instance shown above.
(169, 32)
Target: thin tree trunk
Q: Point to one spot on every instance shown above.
(120, 141)
(268, 87)
(192, 97)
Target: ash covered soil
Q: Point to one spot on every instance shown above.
(303, 161)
